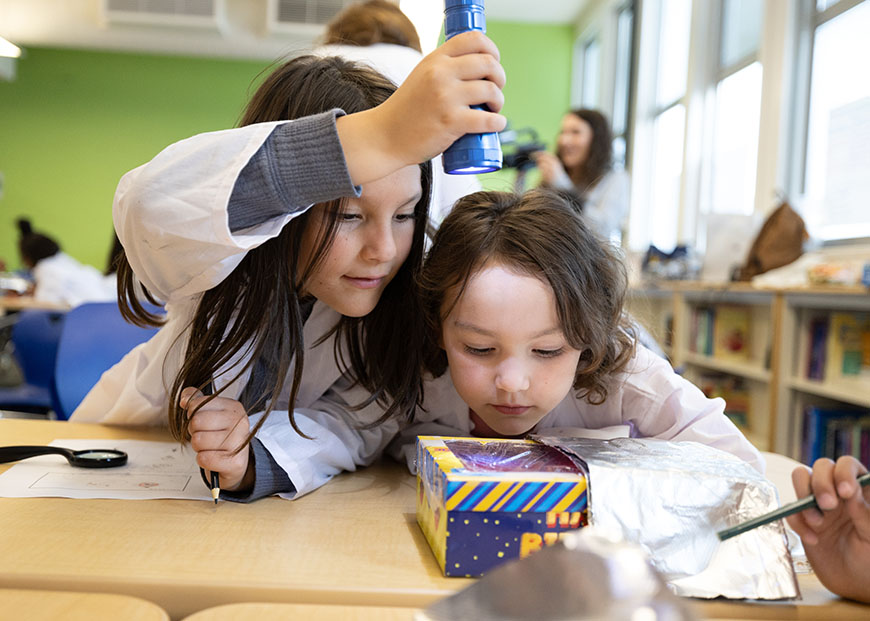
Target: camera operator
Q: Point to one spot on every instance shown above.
(583, 164)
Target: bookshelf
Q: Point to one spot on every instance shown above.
(753, 346)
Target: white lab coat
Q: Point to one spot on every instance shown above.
(62, 280)
(171, 216)
(649, 397)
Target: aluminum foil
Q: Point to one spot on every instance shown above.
(671, 498)
(587, 575)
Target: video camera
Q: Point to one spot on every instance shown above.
(517, 147)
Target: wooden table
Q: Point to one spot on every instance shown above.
(354, 542)
(325, 612)
(51, 605)
(26, 302)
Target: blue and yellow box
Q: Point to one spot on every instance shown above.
(481, 502)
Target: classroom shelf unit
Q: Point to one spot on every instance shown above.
(774, 355)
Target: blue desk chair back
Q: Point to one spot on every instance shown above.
(94, 338)
(35, 335)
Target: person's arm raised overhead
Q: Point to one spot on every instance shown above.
(429, 111)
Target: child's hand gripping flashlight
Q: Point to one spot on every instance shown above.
(473, 153)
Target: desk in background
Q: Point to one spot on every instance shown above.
(325, 612)
(51, 605)
(24, 302)
(354, 542)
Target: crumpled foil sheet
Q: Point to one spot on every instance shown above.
(586, 575)
(671, 498)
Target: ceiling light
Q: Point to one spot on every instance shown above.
(9, 49)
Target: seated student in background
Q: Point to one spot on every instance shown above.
(286, 252)
(526, 331)
(377, 33)
(837, 537)
(58, 278)
(583, 164)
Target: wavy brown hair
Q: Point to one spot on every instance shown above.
(255, 312)
(600, 158)
(367, 23)
(539, 234)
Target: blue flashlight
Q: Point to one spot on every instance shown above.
(473, 153)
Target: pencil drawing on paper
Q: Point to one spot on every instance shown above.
(118, 482)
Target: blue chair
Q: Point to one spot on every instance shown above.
(35, 335)
(95, 337)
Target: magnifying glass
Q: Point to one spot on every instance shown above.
(89, 458)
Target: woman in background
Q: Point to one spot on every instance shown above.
(583, 164)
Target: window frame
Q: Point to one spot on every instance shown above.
(808, 20)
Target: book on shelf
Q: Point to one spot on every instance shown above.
(733, 390)
(731, 332)
(848, 337)
(817, 349)
(834, 432)
(701, 331)
(669, 331)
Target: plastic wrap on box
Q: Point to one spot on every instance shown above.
(481, 502)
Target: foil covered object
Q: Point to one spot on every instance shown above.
(586, 575)
(671, 498)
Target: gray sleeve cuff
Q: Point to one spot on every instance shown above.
(269, 477)
(299, 164)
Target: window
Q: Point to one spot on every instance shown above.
(591, 64)
(622, 83)
(657, 169)
(737, 82)
(837, 157)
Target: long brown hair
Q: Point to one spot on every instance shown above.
(540, 234)
(600, 158)
(374, 21)
(256, 310)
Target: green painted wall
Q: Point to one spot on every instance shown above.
(73, 122)
(537, 61)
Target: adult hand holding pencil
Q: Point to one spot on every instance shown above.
(832, 518)
(218, 427)
(836, 536)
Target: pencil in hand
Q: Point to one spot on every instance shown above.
(214, 484)
(784, 511)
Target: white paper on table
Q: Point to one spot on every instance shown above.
(153, 470)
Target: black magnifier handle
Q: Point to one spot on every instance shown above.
(92, 458)
(16, 453)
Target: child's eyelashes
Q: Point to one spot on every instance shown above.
(540, 353)
(549, 353)
(347, 216)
